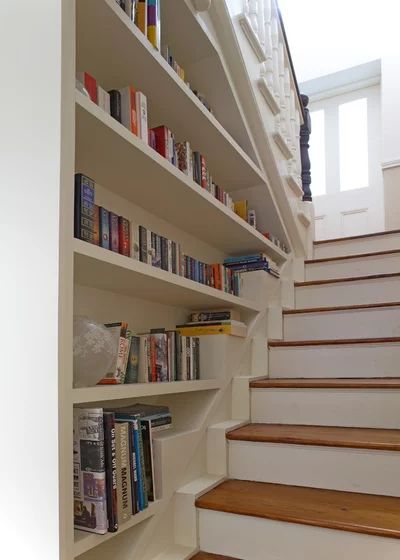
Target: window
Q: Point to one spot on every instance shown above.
(317, 153)
(353, 144)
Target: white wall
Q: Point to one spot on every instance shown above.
(355, 211)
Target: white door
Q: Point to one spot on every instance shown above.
(345, 153)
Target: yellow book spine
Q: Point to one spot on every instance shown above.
(198, 331)
(241, 209)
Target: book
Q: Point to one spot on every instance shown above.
(104, 228)
(114, 232)
(124, 240)
(159, 359)
(103, 98)
(132, 371)
(111, 470)
(124, 491)
(251, 218)
(129, 7)
(90, 498)
(145, 426)
(135, 244)
(84, 208)
(116, 375)
(162, 141)
(89, 83)
(141, 108)
(153, 23)
(184, 157)
(115, 104)
(241, 209)
(203, 172)
(96, 225)
(134, 468)
(217, 315)
(211, 329)
(141, 16)
(128, 109)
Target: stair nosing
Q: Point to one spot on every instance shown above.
(326, 383)
(340, 308)
(333, 342)
(314, 441)
(353, 237)
(350, 257)
(349, 279)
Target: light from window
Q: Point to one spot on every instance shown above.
(317, 153)
(353, 145)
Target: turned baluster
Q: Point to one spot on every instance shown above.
(305, 131)
(268, 65)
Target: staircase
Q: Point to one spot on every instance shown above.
(316, 475)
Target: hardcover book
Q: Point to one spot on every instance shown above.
(124, 239)
(141, 107)
(153, 23)
(132, 371)
(103, 99)
(128, 109)
(84, 208)
(90, 501)
(111, 470)
(104, 225)
(141, 16)
(115, 104)
(114, 232)
(96, 225)
(124, 491)
(116, 375)
(90, 84)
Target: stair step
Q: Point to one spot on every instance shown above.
(333, 342)
(362, 244)
(325, 383)
(351, 266)
(341, 308)
(346, 511)
(360, 438)
(364, 402)
(210, 556)
(352, 237)
(359, 290)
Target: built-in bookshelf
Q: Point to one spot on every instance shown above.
(134, 180)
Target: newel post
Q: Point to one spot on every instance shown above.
(305, 131)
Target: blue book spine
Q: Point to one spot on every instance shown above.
(132, 370)
(254, 257)
(104, 228)
(114, 235)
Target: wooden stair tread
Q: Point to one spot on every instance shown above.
(210, 556)
(333, 342)
(341, 308)
(346, 511)
(350, 257)
(350, 279)
(365, 235)
(327, 436)
(328, 383)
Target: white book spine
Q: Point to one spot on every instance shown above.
(150, 250)
(143, 360)
(103, 98)
(169, 241)
(141, 107)
(135, 247)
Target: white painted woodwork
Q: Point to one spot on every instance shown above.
(217, 446)
(379, 264)
(353, 323)
(348, 360)
(362, 408)
(336, 468)
(252, 37)
(378, 290)
(369, 244)
(253, 538)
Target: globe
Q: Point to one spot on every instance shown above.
(95, 349)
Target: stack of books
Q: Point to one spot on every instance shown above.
(114, 464)
(158, 356)
(251, 263)
(214, 322)
(146, 16)
(100, 226)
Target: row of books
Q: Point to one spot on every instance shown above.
(145, 14)
(276, 241)
(252, 262)
(158, 356)
(106, 229)
(114, 464)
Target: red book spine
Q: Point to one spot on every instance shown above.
(90, 84)
(134, 121)
(96, 225)
(203, 172)
(124, 236)
(161, 136)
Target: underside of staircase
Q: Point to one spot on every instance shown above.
(315, 475)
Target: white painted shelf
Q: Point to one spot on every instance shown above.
(120, 161)
(106, 270)
(132, 60)
(84, 541)
(102, 393)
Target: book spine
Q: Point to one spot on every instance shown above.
(164, 253)
(133, 465)
(96, 225)
(111, 471)
(141, 106)
(143, 244)
(115, 104)
(153, 23)
(84, 208)
(128, 109)
(198, 331)
(114, 233)
(104, 219)
(103, 99)
(146, 429)
(196, 342)
(124, 239)
(141, 16)
(90, 85)
(135, 241)
(203, 168)
(132, 371)
(124, 491)
(143, 359)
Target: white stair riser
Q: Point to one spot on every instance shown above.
(384, 264)
(354, 323)
(253, 538)
(357, 246)
(380, 290)
(349, 360)
(348, 470)
(362, 408)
